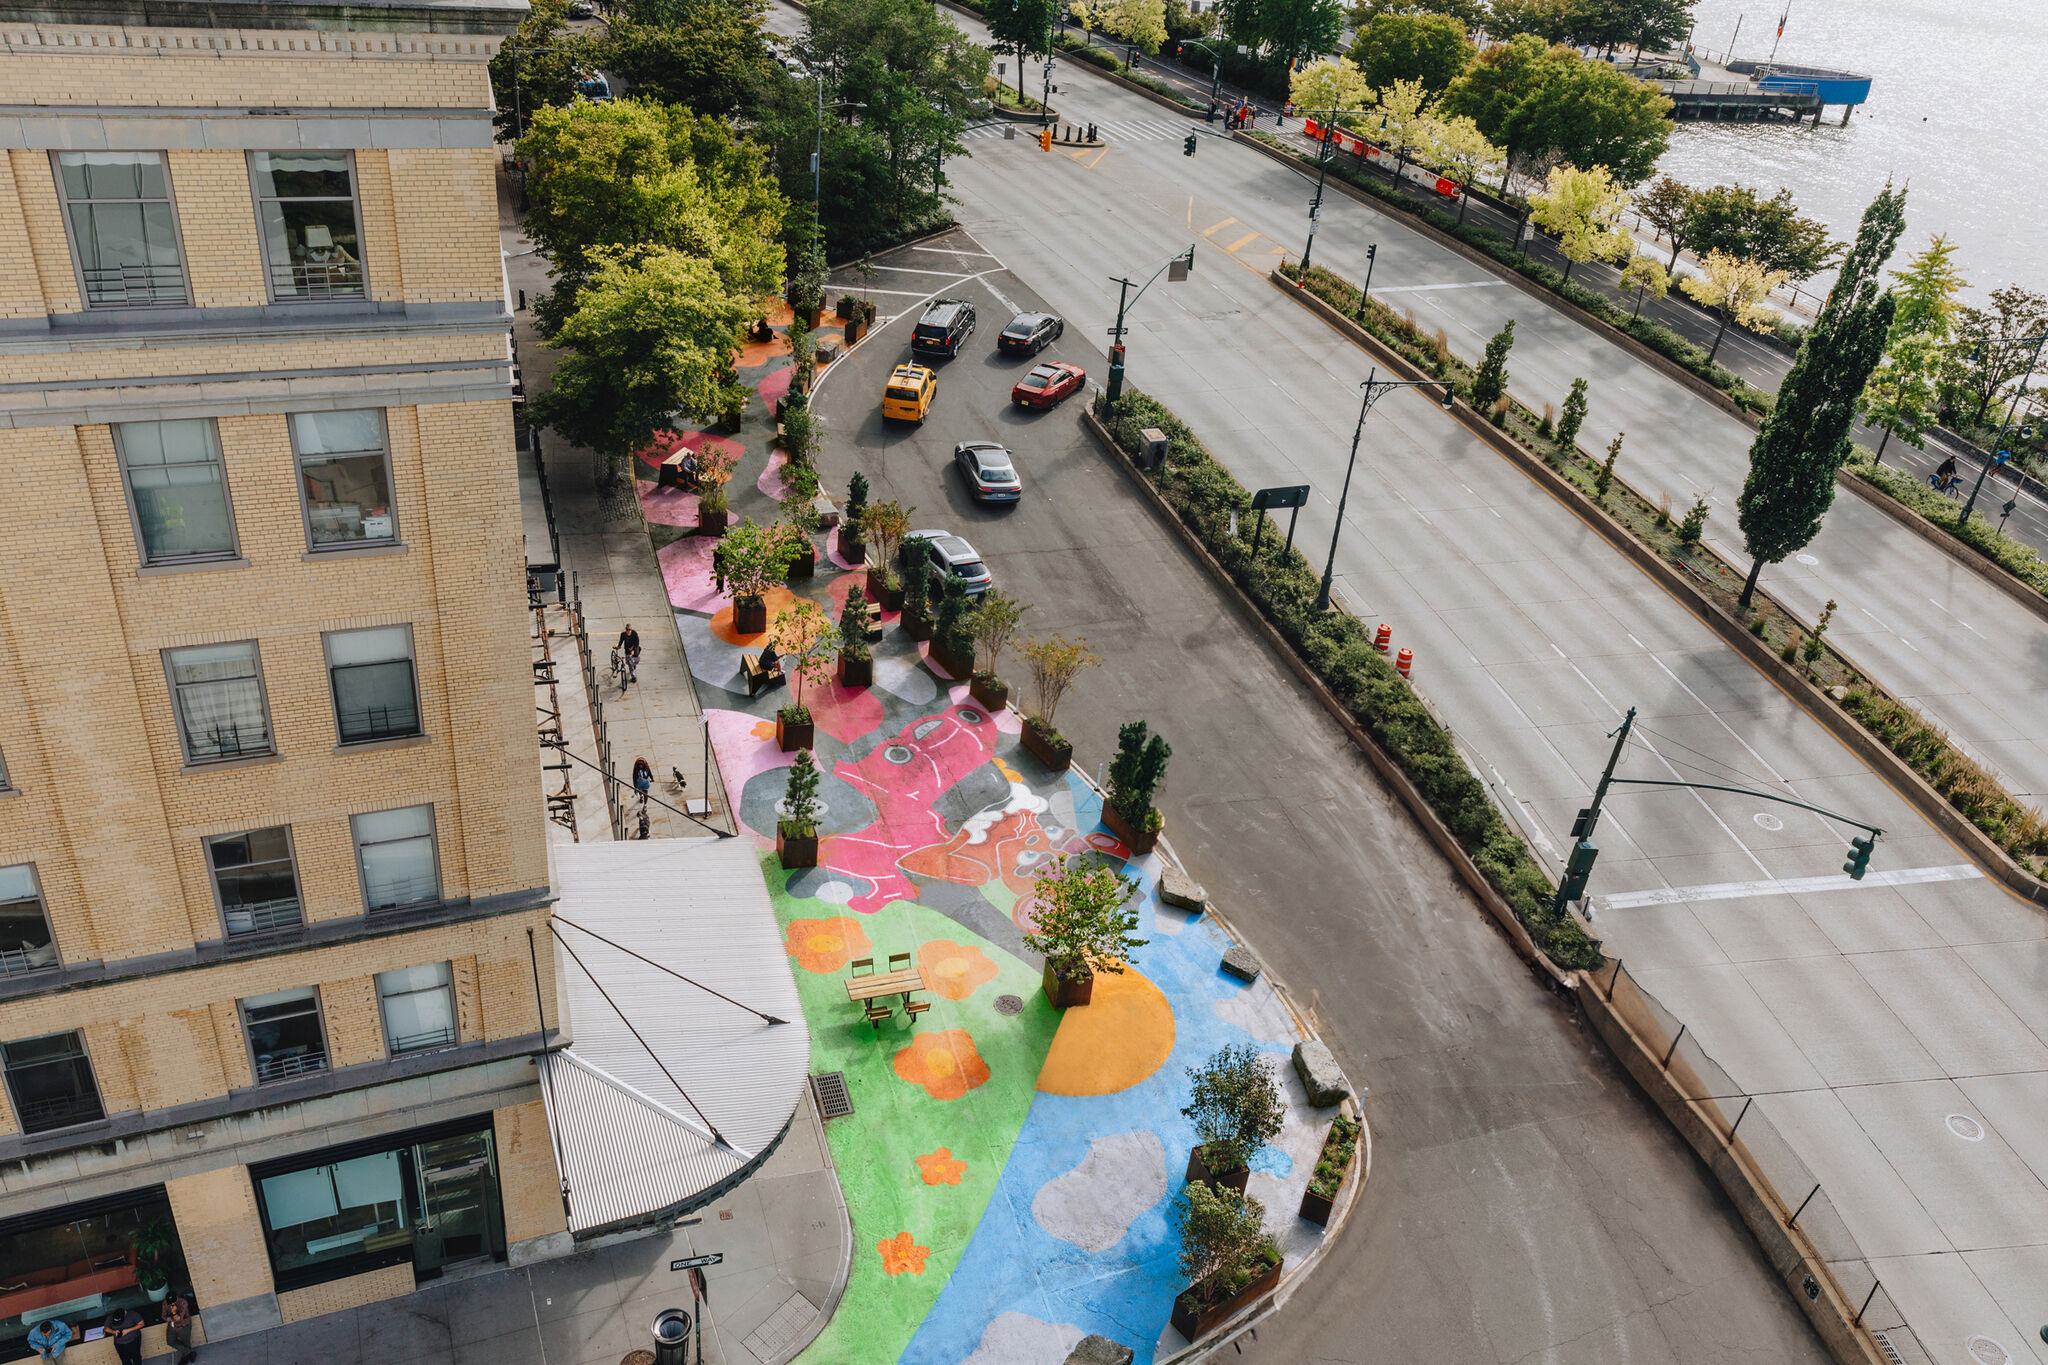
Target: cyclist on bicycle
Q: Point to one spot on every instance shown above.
(1945, 472)
(629, 646)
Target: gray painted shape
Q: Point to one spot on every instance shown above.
(1094, 1205)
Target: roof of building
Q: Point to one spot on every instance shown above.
(399, 16)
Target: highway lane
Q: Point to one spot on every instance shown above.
(1838, 1006)
(1525, 1201)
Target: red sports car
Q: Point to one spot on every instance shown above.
(1047, 384)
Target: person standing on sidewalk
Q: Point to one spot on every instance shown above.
(49, 1338)
(178, 1329)
(125, 1327)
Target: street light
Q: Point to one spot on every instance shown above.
(818, 146)
(2012, 409)
(1315, 210)
(1374, 388)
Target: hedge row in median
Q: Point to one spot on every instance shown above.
(1980, 535)
(1215, 507)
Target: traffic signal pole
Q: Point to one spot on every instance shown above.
(1125, 301)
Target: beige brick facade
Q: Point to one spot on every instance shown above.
(526, 1165)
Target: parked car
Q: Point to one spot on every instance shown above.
(1030, 333)
(1048, 384)
(582, 9)
(952, 555)
(944, 328)
(990, 472)
(908, 395)
(594, 88)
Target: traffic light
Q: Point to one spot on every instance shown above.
(1045, 139)
(1859, 858)
(1187, 148)
(1578, 869)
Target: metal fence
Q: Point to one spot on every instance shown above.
(615, 807)
(1738, 1119)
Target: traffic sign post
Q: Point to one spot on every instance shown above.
(1294, 496)
(692, 1262)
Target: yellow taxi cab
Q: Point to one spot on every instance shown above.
(909, 393)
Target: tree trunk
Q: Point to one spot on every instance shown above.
(1756, 567)
(1464, 201)
(1676, 247)
(1568, 264)
(1878, 458)
(1639, 304)
(1716, 347)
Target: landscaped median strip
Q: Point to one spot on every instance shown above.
(1947, 786)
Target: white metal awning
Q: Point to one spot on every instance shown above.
(688, 1050)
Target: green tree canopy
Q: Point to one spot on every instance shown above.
(708, 55)
(1737, 221)
(1495, 82)
(1584, 209)
(1927, 290)
(1548, 21)
(1992, 348)
(540, 65)
(1663, 205)
(1903, 395)
(1021, 28)
(1805, 438)
(1283, 29)
(1141, 23)
(1589, 114)
(1430, 48)
(1470, 13)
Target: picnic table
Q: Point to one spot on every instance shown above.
(878, 984)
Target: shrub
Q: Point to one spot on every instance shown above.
(1082, 917)
(1136, 772)
(800, 797)
(1574, 415)
(1695, 524)
(1222, 1236)
(1235, 1107)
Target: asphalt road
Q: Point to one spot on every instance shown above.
(1526, 1201)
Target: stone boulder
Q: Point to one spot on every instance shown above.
(1100, 1350)
(1320, 1075)
(1240, 962)
(1178, 889)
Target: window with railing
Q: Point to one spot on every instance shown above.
(312, 241)
(344, 479)
(219, 695)
(50, 1081)
(419, 1007)
(256, 881)
(26, 943)
(285, 1037)
(177, 489)
(376, 695)
(124, 235)
(395, 851)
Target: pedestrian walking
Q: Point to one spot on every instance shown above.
(643, 778)
(49, 1338)
(178, 1329)
(124, 1325)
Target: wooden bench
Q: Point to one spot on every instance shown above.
(672, 473)
(758, 677)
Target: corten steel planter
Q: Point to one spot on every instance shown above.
(854, 328)
(1315, 1207)
(856, 672)
(750, 616)
(956, 668)
(795, 850)
(916, 627)
(1137, 840)
(878, 591)
(1199, 1172)
(795, 734)
(805, 565)
(852, 549)
(1055, 753)
(1065, 992)
(730, 422)
(992, 693)
(1194, 1323)
(710, 523)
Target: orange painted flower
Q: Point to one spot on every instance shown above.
(901, 1255)
(763, 729)
(939, 1168)
(946, 1064)
(953, 971)
(824, 946)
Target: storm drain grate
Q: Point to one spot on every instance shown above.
(1009, 1004)
(829, 1090)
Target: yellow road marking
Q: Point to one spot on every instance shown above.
(1098, 157)
(1208, 231)
(1076, 156)
(1248, 237)
(1191, 210)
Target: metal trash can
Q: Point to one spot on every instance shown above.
(671, 1337)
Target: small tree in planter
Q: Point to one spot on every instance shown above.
(1055, 663)
(914, 595)
(1225, 1253)
(883, 526)
(1236, 1109)
(1319, 1200)
(1134, 775)
(714, 471)
(807, 283)
(953, 628)
(856, 660)
(152, 1244)
(852, 524)
(993, 623)
(803, 359)
(796, 833)
(732, 401)
(798, 521)
(756, 558)
(1083, 927)
(805, 641)
(802, 433)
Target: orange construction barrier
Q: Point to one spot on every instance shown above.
(1383, 637)
(1403, 661)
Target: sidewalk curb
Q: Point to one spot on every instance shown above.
(1791, 1254)
(1931, 805)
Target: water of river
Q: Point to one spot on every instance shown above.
(1958, 107)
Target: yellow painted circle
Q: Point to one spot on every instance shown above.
(1121, 1036)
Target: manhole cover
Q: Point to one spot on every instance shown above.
(1968, 1129)
(1806, 559)
(1009, 1004)
(1989, 1352)
(829, 1089)
(1766, 820)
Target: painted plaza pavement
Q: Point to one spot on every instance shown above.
(1009, 1172)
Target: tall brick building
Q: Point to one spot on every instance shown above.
(271, 842)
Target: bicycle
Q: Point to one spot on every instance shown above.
(1951, 487)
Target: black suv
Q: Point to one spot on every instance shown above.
(943, 329)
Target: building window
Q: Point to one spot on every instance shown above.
(79, 1262)
(375, 693)
(285, 1037)
(50, 1081)
(306, 206)
(123, 232)
(26, 943)
(177, 489)
(344, 478)
(419, 1007)
(395, 849)
(219, 695)
(255, 880)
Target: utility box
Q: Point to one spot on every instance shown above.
(1152, 453)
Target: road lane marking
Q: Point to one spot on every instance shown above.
(1215, 228)
(1098, 158)
(1247, 238)
(1426, 288)
(907, 293)
(1790, 886)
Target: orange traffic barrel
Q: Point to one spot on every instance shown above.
(1383, 637)
(1403, 660)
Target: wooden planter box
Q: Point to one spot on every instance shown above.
(1196, 1323)
(852, 549)
(795, 850)
(854, 328)
(856, 672)
(805, 565)
(1199, 1172)
(1055, 753)
(750, 616)
(1315, 1207)
(809, 317)
(992, 693)
(844, 308)
(890, 598)
(793, 735)
(1065, 992)
(916, 627)
(1137, 840)
(730, 422)
(958, 668)
(710, 523)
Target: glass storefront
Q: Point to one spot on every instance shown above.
(79, 1263)
(428, 1197)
